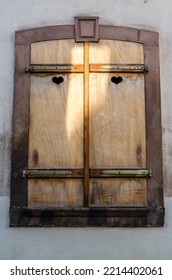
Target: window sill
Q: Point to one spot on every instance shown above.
(83, 217)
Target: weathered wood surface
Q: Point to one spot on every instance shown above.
(117, 192)
(117, 124)
(56, 124)
(111, 51)
(55, 192)
(117, 121)
(154, 127)
(79, 216)
(57, 52)
(115, 127)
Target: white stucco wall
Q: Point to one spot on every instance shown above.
(81, 243)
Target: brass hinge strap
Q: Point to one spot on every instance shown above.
(52, 173)
(122, 68)
(120, 172)
(47, 68)
(127, 172)
(52, 68)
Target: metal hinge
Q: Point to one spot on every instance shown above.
(47, 68)
(127, 172)
(54, 68)
(45, 173)
(138, 68)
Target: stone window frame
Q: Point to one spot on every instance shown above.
(20, 213)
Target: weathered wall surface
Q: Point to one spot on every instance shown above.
(83, 243)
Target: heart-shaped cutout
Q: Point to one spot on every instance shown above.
(57, 80)
(116, 80)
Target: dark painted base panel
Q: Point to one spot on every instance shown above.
(87, 217)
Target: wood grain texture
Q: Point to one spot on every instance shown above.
(117, 121)
(55, 193)
(55, 137)
(117, 192)
(117, 125)
(56, 122)
(57, 52)
(109, 51)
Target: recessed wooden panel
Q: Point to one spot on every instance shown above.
(57, 52)
(110, 51)
(117, 120)
(55, 192)
(56, 122)
(118, 192)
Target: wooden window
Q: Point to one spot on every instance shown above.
(86, 146)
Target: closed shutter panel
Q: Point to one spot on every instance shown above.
(117, 124)
(86, 146)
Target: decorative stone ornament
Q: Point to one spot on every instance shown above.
(86, 29)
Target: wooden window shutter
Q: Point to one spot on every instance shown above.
(87, 143)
